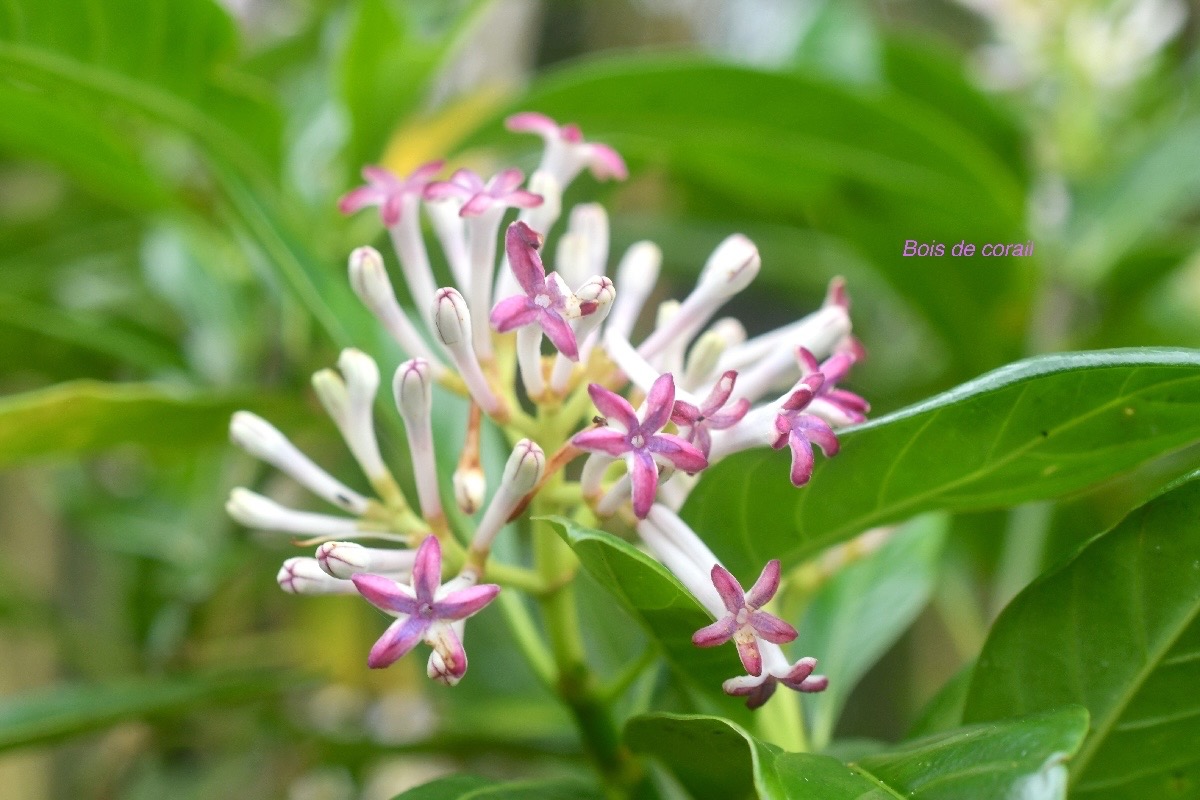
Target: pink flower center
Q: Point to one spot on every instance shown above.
(743, 615)
(425, 610)
(637, 440)
(542, 301)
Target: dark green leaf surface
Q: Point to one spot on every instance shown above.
(945, 709)
(1035, 429)
(471, 787)
(862, 611)
(1019, 758)
(83, 417)
(1116, 630)
(658, 601)
(71, 710)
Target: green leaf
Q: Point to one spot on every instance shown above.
(715, 758)
(658, 601)
(945, 709)
(869, 164)
(1115, 629)
(71, 710)
(859, 614)
(1032, 430)
(471, 787)
(82, 417)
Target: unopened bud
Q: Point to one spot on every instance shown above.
(470, 488)
(636, 275)
(524, 468)
(451, 318)
(304, 576)
(362, 379)
(732, 266)
(369, 279)
(343, 559)
(255, 511)
(331, 391)
(703, 359)
(413, 389)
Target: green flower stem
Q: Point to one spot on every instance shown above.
(781, 722)
(529, 641)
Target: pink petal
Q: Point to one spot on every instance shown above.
(730, 416)
(513, 312)
(469, 180)
(765, 587)
(802, 459)
(559, 333)
(521, 243)
(836, 295)
(391, 208)
(359, 198)
(570, 133)
(684, 413)
(532, 122)
(679, 451)
(760, 695)
(465, 602)
(384, 593)
(442, 190)
(817, 430)
(659, 403)
(835, 368)
(557, 289)
(771, 627)
(750, 656)
(400, 637)
(425, 172)
(702, 439)
(505, 181)
(848, 401)
(523, 199)
(800, 670)
(816, 683)
(729, 589)
(427, 570)
(603, 440)
(443, 639)
(613, 406)
(605, 163)
(645, 482)
(719, 395)
(717, 633)
(382, 177)
(477, 205)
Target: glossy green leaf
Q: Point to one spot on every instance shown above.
(859, 614)
(871, 165)
(471, 787)
(1036, 429)
(1019, 758)
(1116, 629)
(658, 601)
(82, 417)
(67, 711)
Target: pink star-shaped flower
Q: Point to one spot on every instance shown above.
(797, 677)
(424, 611)
(566, 149)
(639, 441)
(387, 190)
(746, 623)
(699, 422)
(801, 430)
(501, 190)
(546, 297)
(845, 407)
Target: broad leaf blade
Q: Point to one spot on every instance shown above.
(862, 611)
(471, 787)
(1036, 429)
(1116, 629)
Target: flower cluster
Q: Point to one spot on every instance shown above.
(692, 391)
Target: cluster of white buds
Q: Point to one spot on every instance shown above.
(698, 390)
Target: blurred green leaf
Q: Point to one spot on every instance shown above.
(658, 601)
(859, 614)
(1117, 630)
(715, 758)
(470, 787)
(871, 165)
(84, 417)
(71, 710)
(1033, 430)
(945, 709)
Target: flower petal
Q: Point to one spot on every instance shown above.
(681, 453)
(478, 204)
(465, 602)
(799, 671)
(427, 570)
(359, 198)
(605, 163)
(559, 333)
(817, 430)
(749, 653)
(442, 638)
(729, 589)
(644, 474)
(765, 587)
(719, 395)
(613, 406)
(684, 413)
(603, 440)
(660, 401)
(521, 243)
(505, 181)
(513, 312)
(717, 633)
(532, 122)
(730, 416)
(772, 628)
(400, 637)
(802, 458)
(384, 593)
(523, 199)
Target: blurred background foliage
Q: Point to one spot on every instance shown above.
(170, 251)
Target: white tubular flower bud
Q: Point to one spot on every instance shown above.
(702, 360)
(524, 469)
(358, 429)
(571, 257)
(756, 429)
(529, 360)
(255, 511)
(331, 391)
(470, 489)
(482, 232)
(731, 331)
(452, 324)
(304, 576)
(589, 228)
(670, 357)
(369, 279)
(540, 218)
(451, 231)
(729, 270)
(263, 440)
(636, 275)
(410, 249)
(343, 559)
(819, 332)
(617, 495)
(412, 387)
(591, 480)
(598, 294)
(628, 361)
(694, 577)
